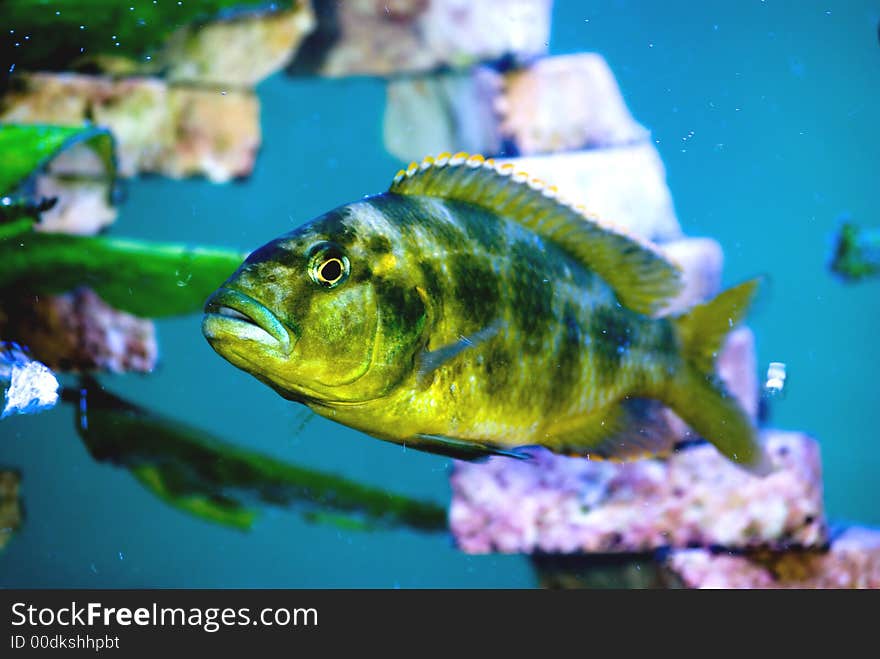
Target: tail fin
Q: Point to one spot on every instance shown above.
(697, 395)
(703, 329)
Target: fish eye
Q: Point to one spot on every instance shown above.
(328, 266)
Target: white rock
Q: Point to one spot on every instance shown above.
(31, 386)
(624, 186)
(701, 261)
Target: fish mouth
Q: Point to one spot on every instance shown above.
(231, 312)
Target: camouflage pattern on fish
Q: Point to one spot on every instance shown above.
(468, 312)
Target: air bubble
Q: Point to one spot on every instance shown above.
(183, 279)
(774, 384)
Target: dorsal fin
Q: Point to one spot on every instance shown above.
(640, 275)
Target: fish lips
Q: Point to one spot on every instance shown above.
(231, 313)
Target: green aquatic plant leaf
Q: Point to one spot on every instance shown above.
(15, 228)
(65, 34)
(856, 253)
(27, 150)
(223, 483)
(143, 278)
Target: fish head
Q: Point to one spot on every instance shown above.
(305, 315)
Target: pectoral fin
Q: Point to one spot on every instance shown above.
(630, 429)
(463, 449)
(431, 360)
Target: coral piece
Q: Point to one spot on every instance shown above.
(78, 331)
(852, 561)
(239, 51)
(625, 186)
(406, 36)
(557, 504)
(10, 507)
(565, 103)
(172, 130)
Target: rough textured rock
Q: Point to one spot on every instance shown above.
(239, 51)
(565, 103)
(624, 186)
(556, 104)
(10, 507)
(216, 135)
(382, 37)
(556, 504)
(852, 561)
(172, 130)
(78, 331)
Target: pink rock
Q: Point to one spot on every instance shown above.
(565, 103)
(552, 105)
(696, 497)
(852, 561)
(215, 135)
(79, 332)
(406, 36)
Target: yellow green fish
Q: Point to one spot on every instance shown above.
(467, 311)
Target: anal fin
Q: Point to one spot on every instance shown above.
(463, 449)
(628, 430)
